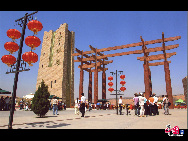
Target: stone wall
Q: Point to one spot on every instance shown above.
(56, 65)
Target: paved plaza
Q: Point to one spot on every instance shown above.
(95, 119)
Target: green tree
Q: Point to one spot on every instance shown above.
(40, 102)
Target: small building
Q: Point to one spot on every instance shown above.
(28, 96)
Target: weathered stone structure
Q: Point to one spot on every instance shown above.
(184, 81)
(56, 65)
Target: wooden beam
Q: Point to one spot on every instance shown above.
(130, 45)
(81, 60)
(156, 57)
(93, 64)
(99, 70)
(131, 52)
(94, 49)
(157, 63)
(80, 52)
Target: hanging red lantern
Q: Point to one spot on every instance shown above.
(35, 26)
(122, 83)
(123, 89)
(110, 84)
(13, 34)
(8, 59)
(32, 41)
(11, 47)
(30, 57)
(110, 78)
(122, 77)
(110, 89)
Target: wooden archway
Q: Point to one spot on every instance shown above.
(146, 58)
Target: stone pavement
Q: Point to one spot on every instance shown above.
(95, 119)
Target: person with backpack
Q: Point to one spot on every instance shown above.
(136, 103)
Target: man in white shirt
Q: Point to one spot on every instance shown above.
(82, 106)
(120, 105)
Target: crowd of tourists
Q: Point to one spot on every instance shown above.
(5, 103)
(144, 107)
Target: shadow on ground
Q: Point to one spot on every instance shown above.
(47, 124)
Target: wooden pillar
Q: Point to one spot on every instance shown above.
(103, 82)
(90, 87)
(95, 80)
(103, 85)
(168, 83)
(167, 76)
(81, 83)
(81, 77)
(150, 80)
(146, 80)
(147, 72)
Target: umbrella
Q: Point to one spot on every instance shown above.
(102, 100)
(51, 96)
(179, 100)
(4, 91)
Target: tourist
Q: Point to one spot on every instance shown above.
(136, 103)
(76, 107)
(54, 102)
(165, 102)
(21, 104)
(7, 100)
(89, 106)
(26, 106)
(146, 108)
(141, 103)
(155, 104)
(120, 105)
(151, 105)
(2, 103)
(65, 106)
(82, 106)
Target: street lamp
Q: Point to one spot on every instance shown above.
(20, 65)
(111, 78)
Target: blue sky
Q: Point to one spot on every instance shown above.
(103, 29)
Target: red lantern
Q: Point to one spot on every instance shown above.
(13, 34)
(122, 77)
(35, 26)
(123, 89)
(110, 89)
(110, 78)
(30, 57)
(122, 83)
(110, 84)
(8, 59)
(32, 41)
(11, 47)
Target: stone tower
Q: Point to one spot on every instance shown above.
(56, 65)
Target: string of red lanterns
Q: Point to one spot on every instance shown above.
(31, 41)
(122, 83)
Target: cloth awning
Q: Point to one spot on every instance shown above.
(179, 100)
(51, 96)
(4, 91)
(102, 100)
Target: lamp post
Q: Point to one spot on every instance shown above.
(115, 73)
(22, 22)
